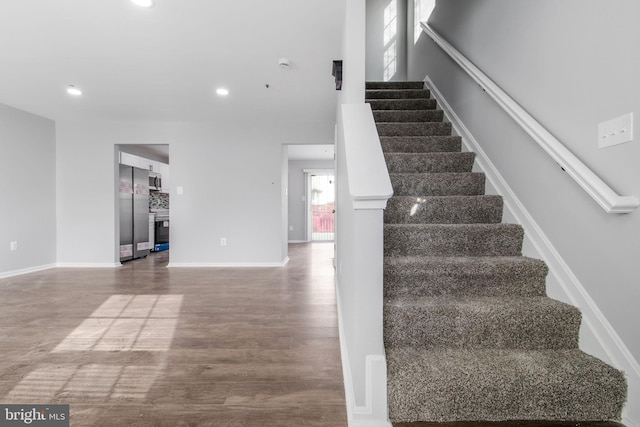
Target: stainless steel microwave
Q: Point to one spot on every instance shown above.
(155, 181)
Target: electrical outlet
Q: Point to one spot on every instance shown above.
(13, 246)
(615, 131)
(223, 241)
(291, 228)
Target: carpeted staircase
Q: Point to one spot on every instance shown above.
(469, 331)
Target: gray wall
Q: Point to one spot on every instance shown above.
(231, 175)
(27, 186)
(571, 65)
(297, 188)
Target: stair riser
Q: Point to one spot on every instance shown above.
(456, 277)
(499, 385)
(402, 104)
(429, 162)
(444, 210)
(421, 144)
(438, 184)
(397, 94)
(453, 240)
(394, 85)
(414, 129)
(408, 116)
(535, 323)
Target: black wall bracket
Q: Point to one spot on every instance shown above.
(337, 73)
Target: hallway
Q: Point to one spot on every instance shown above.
(143, 345)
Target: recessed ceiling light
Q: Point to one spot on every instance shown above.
(222, 91)
(143, 3)
(72, 90)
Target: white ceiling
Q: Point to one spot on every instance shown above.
(164, 63)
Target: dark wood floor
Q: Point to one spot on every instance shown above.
(143, 345)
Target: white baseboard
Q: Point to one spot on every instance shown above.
(22, 271)
(117, 265)
(88, 265)
(374, 413)
(228, 264)
(58, 265)
(597, 336)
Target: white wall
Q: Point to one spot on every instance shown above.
(376, 47)
(359, 297)
(27, 187)
(353, 53)
(297, 190)
(353, 91)
(231, 175)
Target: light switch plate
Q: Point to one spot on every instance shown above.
(615, 131)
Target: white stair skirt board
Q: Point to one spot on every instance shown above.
(597, 336)
(374, 413)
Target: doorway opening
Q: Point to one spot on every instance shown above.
(305, 160)
(142, 200)
(321, 208)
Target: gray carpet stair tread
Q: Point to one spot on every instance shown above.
(453, 239)
(408, 115)
(444, 209)
(438, 184)
(420, 144)
(429, 162)
(402, 104)
(480, 322)
(397, 93)
(395, 85)
(511, 423)
(511, 276)
(413, 128)
(496, 384)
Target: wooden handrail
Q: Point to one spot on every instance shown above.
(604, 195)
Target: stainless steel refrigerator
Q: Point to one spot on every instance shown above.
(134, 213)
